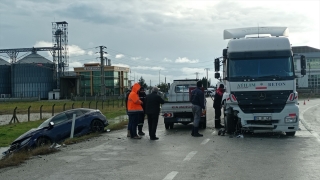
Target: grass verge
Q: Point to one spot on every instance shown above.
(18, 158)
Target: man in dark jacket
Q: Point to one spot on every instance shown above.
(217, 106)
(142, 96)
(197, 100)
(153, 101)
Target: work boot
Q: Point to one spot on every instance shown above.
(192, 133)
(196, 132)
(217, 124)
(128, 135)
(140, 131)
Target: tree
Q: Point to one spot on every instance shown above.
(204, 83)
(163, 87)
(142, 83)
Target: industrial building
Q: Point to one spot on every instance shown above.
(115, 79)
(32, 76)
(5, 79)
(312, 79)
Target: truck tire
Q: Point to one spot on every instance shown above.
(290, 133)
(229, 123)
(167, 125)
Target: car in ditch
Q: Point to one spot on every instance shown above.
(58, 128)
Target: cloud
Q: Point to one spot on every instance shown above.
(75, 50)
(90, 53)
(135, 58)
(186, 60)
(167, 60)
(121, 65)
(119, 56)
(147, 68)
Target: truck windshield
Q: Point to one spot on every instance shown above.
(279, 68)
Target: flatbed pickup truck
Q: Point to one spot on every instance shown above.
(178, 108)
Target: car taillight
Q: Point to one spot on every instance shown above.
(167, 115)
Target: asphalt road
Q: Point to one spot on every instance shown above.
(179, 156)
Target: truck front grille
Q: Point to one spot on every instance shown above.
(262, 101)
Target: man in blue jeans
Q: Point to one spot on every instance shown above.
(197, 100)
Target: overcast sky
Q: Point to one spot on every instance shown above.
(177, 39)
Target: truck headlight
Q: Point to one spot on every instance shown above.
(290, 119)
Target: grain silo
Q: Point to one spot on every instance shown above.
(5, 78)
(32, 76)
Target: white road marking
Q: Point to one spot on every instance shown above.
(214, 131)
(190, 155)
(306, 125)
(205, 141)
(171, 175)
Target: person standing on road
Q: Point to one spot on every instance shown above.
(198, 107)
(142, 96)
(134, 110)
(153, 101)
(126, 100)
(217, 106)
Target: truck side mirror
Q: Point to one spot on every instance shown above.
(224, 52)
(217, 75)
(216, 64)
(303, 65)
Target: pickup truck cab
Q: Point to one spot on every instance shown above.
(178, 108)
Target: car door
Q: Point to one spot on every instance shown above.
(62, 127)
(80, 122)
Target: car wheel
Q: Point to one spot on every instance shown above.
(43, 141)
(290, 133)
(97, 126)
(167, 125)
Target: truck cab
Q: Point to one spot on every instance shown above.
(260, 81)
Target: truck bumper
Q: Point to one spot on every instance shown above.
(276, 122)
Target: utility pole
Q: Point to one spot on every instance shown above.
(103, 86)
(197, 75)
(159, 77)
(207, 69)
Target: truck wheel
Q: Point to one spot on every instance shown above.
(171, 125)
(229, 123)
(290, 133)
(167, 125)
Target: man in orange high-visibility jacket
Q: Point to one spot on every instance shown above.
(135, 110)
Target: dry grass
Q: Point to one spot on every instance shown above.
(18, 158)
(81, 138)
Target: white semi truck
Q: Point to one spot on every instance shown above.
(260, 81)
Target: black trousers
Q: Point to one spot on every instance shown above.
(217, 112)
(141, 122)
(153, 123)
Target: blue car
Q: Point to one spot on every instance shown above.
(58, 128)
